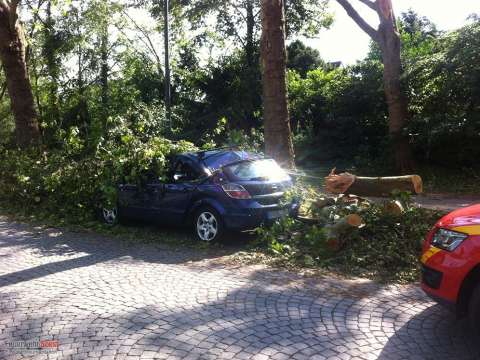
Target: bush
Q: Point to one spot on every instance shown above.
(70, 182)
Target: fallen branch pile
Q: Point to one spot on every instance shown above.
(341, 214)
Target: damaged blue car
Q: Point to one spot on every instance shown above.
(213, 191)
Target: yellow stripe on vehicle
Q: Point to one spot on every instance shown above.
(429, 253)
(469, 229)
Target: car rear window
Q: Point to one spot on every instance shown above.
(216, 160)
(263, 169)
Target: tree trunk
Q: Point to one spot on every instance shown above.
(384, 186)
(388, 38)
(278, 139)
(372, 186)
(250, 44)
(389, 41)
(12, 55)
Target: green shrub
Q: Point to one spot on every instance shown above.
(70, 182)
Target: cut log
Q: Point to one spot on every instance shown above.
(339, 184)
(393, 207)
(372, 186)
(337, 231)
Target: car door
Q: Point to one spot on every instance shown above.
(132, 201)
(171, 203)
(137, 201)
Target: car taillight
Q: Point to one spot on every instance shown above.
(236, 191)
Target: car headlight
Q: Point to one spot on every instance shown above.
(447, 239)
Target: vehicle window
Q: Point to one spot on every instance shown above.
(266, 169)
(217, 160)
(184, 172)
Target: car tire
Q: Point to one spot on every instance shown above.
(208, 225)
(109, 216)
(474, 310)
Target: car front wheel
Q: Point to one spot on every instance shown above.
(109, 215)
(208, 225)
(474, 310)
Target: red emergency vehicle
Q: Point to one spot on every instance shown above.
(451, 263)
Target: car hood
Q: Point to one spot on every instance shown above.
(466, 220)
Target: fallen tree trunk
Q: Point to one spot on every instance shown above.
(372, 186)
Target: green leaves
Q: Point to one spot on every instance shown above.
(70, 183)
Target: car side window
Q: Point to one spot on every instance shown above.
(184, 172)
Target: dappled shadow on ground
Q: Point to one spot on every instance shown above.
(433, 334)
(100, 297)
(245, 319)
(69, 250)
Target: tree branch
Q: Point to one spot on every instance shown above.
(13, 8)
(14, 5)
(358, 19)
(371, 4)
(145, 34)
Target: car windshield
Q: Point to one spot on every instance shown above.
(215, 160)
(264, 169)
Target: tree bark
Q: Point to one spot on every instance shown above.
(389, 41)
(278, 139)
(250, 43)
(13, 57)
(372, 186)
(384, 186)
(388, 38)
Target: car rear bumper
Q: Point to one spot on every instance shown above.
(251, 218)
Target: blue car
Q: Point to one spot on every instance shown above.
(215, 191)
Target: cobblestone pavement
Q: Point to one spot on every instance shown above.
(101, 298)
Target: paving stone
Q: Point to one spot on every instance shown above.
(105, 299)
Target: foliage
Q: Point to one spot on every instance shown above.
(302, 58)
(336, 114)
(447, 102)
(387, 247)
(229, 18)
(340, 111)
(70, 183)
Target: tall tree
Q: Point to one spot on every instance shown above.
(278, 138)
(13, 57)
(303, 58)
(388, 39)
